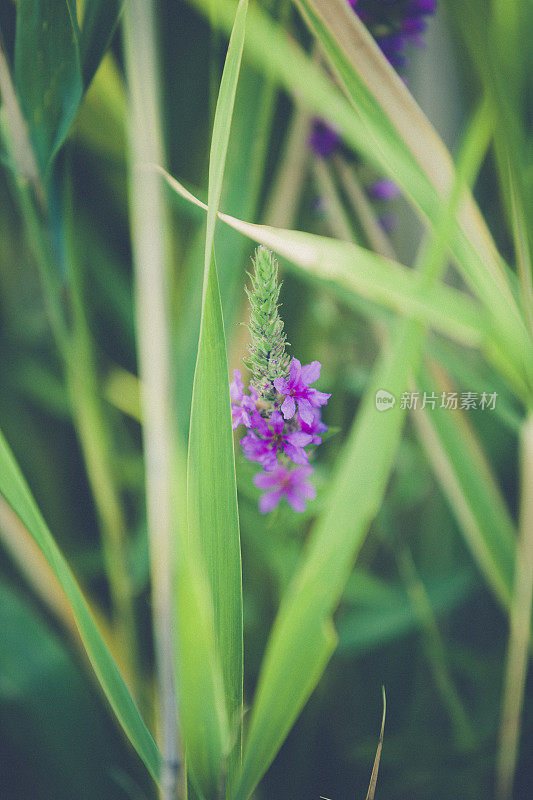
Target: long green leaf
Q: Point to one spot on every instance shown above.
(211, 487)
(17, 494)
(47, 73)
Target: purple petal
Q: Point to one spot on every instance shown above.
(240, 416)
(267, 480)
(300, 475)
(311, 372)
(299, 438)
(307, 490)
(269, 501)
(318, 399)
(282, 386)
(254, 448)
(260, 425)
(295, 500)
(294, 372)
(277, 423)
(236, 387)
(269, 460)
(296, 454)
(248, 403)
(305, 410)
(288, 408)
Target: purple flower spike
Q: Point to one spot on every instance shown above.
(266, 440)
(297, 390)
(243, 405)
(283, 482)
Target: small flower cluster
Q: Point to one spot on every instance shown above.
(281, 410)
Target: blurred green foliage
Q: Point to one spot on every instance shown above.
(57, 741)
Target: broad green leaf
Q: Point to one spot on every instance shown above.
(213, 521)
(364, 124)
(16, 492)
(99, 22)
(47, 73)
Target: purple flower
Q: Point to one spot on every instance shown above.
(264, 442)
(243, 405)
(283, 482)
(384, 189)
(323, 139)
(296, 390)
(317, 427)
(422, 7)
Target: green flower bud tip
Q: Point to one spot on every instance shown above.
(268, 357)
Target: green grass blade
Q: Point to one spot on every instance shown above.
(47, 73)
(211, 486)
(17, 494)
(222, 125)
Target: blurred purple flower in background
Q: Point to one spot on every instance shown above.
(394, 24)
(282, 482)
